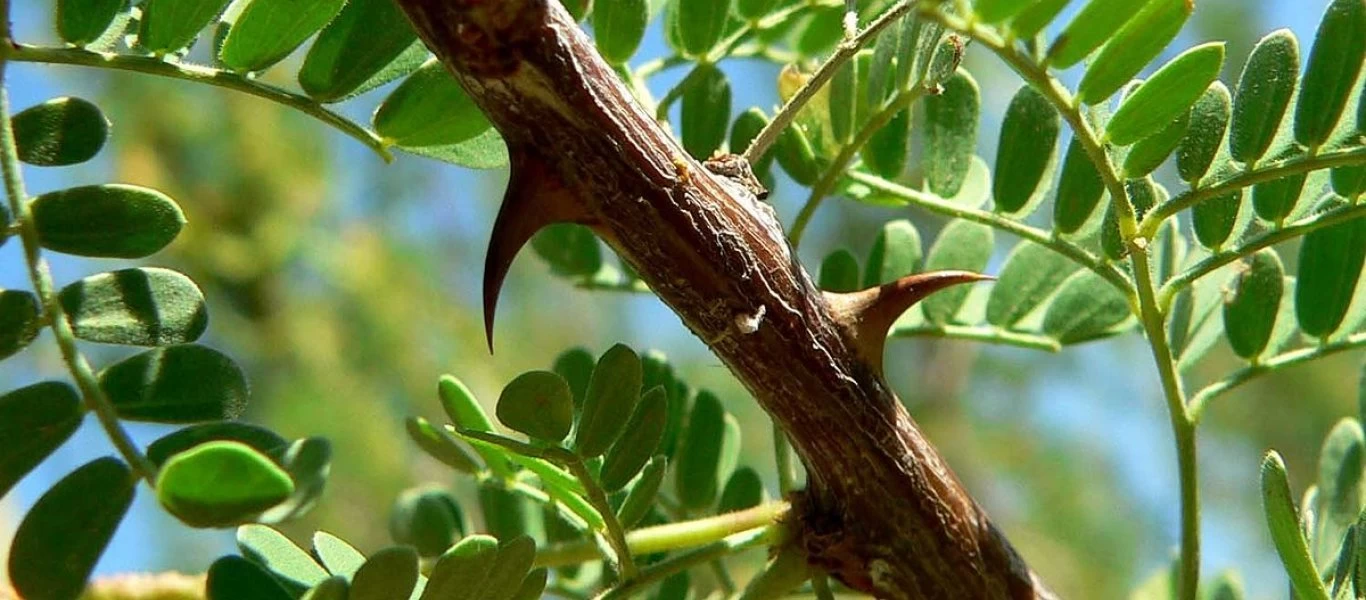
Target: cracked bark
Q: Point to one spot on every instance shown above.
(883, 512)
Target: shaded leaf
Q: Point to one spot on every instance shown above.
(1213, 220)
(167, 26)
(19, 321)
(896, 253)
(1208, 122)
(1331, 72)
(35, 420)
(888, 149)
(618, 27)
(138, 307)
(364, 38)
(1329, 265)
(705, 112)
(638, 441)
(1341, 460)
(839, 272)
(220, 483)
(1031, 274)
(439, 444)
(1264, 91)
(641, 495)
(612, 394)
(332, 588)
(747, 127)
(176, 384)
(62, 131)
(428, 519)
(430, 109)
(261, 439)
(107, 221)
(1148, 154)
(743, 490)
(1079, 190)
(510, 567)
(572, 250)
(796, 155)
(539, 404)
(1274, 200)
(388, 574)
(1172, 90)
(53, 553)
(1251, 308)
(268, 30)
(236, 578)
(80, 22)
(951, 133)
(465, 411)
(576, 367)
(1024, 155)
(961, 245)
(995, 11)
(698, 467)
(843, 103)
(459, 572)
(1086, 307)
(308, 462)
(701, 23)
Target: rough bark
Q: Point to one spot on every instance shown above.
(882, 512)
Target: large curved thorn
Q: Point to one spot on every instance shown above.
(868, 314)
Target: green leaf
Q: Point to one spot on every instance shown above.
(843, 103)
(176, 384)
(1147, 154)
(701, 23)
(539, 404)
(270, 549)
(839, 272)
(35, 421)
(167, 26)
(1087, 307)
(1334, 63)
(510, 567)
(429, 109)
(995, 11)
(332, 588)
(484, 151)
(1329, 266)
(796, 155)
(80, 22)
(1274, 200)
(62, 131)
(747, 127)
(1227, 586)
(1135, 45)
(618, 27)
(961, 245)
(576, 367)
(1349, 182)
(638, 441)
(19, 321)
(1097, 22)
(705, 112)
(743, 490)
(1264, 91)
(465, 411)
(1031, 274)
(428, 519)
(506, 515)
(1038, 15)
(1172, 90)
(1284, 522)
(1339, 482)
(612, 394)
(269, 30)
(1169, 250)
(1250, 311)
(896, 253)
(533, 585)
(337, 556)
(675, 587)
(106, 221)
(1024, 156)
(1214, 219)
(261, 439)
(951, 133)
(572, 250)
(388, 574)
(308, 462)
(53, 553)
(1208, 122)
(698, 471)
(1143, 194)
(641, 495)
(459, 572)
(578, 9)
(753, 9)
(364, 38)
(220, 484)
(236, 578)
(440, 445)
(1079, 190)
(888, 149)
(137, 307)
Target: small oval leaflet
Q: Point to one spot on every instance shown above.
(289, 564)
(961, 245)
(1136, 45)
(53, 553)
(843, 103)
(1024, 155)
(220, 484)
(1079, 190)
(951, 134)
(138, 307)
(35, 420)
(1214, 219)
(995, 11)
(355, 48)
(539, 404)
(701, 24)
(612, 395)
(462, 568)
(895, 253)
(743, 131)
(888, 149)
(19, 321)
(332, 588)
(465, 411)
(80, 22)
(1250, 310)
(167, 26)
(1274, 200)
(1329, 266)
(267, 31)
(1031, 274)
(429, 109)
(570, 248)
(259, 438)
(638, 441)
(1264, 91)
(389, 573)
(439, 444)
(576, 367)
(176, 384)
(62, 131)
(1172, 90)
(1038, 15)
(336, 555)
(235, 578)
(1149, 153)
(1208, 122)
(1087, 307)
(1286, 534)
(618, 26)
(796, 156)
(428, 519)
(743, 490)
(1332, 69)
(641, 496)
(839, 272)
(107, 221)
(698, 466)
(1096, 23)
(705, 111)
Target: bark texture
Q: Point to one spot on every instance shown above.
(883, 512)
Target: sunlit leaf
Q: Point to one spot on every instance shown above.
(1331, 72)
(108, 221)
(618, 26)
(539, 404)
(484, 151)
(1030, 21)
(1284, 523)
(429, 109)
(1097, 22)
(1264, 91)
(1079, 190)
(1031, 274)
(951, 133)
(220, 483)
(1024, 155)
(268, 30)
(896, 253)
(176, 384)
(1172, 90)
(961, 245)
(138, 307)
(1135, 45)
(35, 421)
(1085, 308)
(294, 568)
(1208, 122)
(80, 22)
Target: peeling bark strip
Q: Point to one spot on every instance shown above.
(883, 512)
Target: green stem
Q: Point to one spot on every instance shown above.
(663, 569)
(674, 536)
(205, 75)
(949, 209)
(846, 50)
(1270, 238)
(840, 165)
(981, 333)
(820, 585)
(782, 457)
(1263, 172)
(1200, 401)
(616, 534)
(95, 399)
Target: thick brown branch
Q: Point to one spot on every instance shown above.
(883, 511)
